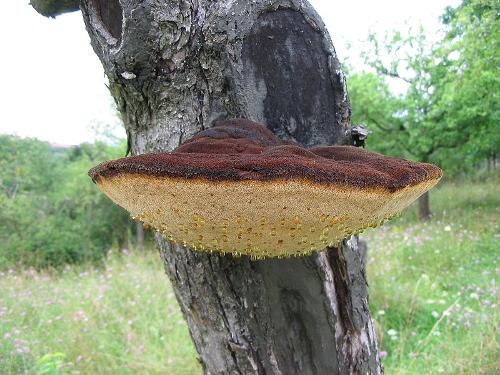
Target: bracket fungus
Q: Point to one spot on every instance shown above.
(236, 188)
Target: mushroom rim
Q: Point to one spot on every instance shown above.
(345, 188)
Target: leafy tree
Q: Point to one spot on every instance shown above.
(467, 81)
(26, 165)
(448, 112)
(374, 104)
(52, 214)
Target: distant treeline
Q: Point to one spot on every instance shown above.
(51, 212)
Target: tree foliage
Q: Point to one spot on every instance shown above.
(467, 79)
(448, 112)
(52, 214)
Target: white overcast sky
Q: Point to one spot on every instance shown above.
(53, 85)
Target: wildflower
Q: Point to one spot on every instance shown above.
(382, 354)
(435, 314)
(80, 316)
(392, 332)
(447, 228)
(474, 296)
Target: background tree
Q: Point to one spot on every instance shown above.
(409, 128)
(176, 67)
(52, 214)
(448, 111)
(375, 105)
(468, 83)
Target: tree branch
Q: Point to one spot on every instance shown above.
(438, 146)
(382, 69)
(379, 125)
(53, 8)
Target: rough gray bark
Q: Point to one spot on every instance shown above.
(176, 67)
(363, 251)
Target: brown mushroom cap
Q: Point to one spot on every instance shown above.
(236, 188)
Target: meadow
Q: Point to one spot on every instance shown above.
(433, 295)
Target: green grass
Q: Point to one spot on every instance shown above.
(122, 319)
(433, 286)
(433, 295)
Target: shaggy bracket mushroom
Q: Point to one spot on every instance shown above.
(236, 188)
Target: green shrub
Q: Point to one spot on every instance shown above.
(52, 214)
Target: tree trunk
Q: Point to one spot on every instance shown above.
(139, 236)
(175, 67)
(424, 210)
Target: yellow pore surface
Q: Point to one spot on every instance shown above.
(257, 218)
